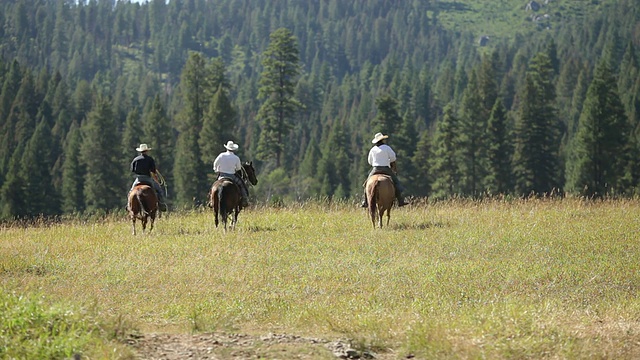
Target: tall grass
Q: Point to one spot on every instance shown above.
(522, 279)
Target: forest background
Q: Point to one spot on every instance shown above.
(480, 98)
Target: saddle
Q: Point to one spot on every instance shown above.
(234, 181)
(364, 184)
(138, 181)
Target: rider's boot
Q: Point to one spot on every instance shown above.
(401, 201)
(162, 206)
(244, 198)
(400, 198)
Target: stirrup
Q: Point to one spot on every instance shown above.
(162, 207)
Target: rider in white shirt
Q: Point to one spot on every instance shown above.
(382, 158)
(227, 164)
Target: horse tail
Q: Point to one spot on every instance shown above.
(221, 206)
(372, 200)
(143, 210)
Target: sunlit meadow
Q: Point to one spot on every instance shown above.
(496, 279)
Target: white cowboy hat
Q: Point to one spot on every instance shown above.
(231, 146)
(378, 137)
(143, 147)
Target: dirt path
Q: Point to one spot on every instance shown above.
(221, 346)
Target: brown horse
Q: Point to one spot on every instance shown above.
(380, 193)
(143, 205)
(225, 196)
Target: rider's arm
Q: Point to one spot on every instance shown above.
(215, 164)
(391, 153)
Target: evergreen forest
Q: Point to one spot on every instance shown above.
(480, 99)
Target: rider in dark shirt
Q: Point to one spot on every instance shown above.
(144, 167)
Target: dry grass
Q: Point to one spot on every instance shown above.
(524, 279)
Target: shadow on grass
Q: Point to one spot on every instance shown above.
(254, 228)
(418, 226)
(220, 228)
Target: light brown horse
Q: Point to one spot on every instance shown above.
(380, 193)
(225, 196)
(143, 205)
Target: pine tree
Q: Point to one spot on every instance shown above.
(537, 137)
(37, 162)
(423, 98)
(218, 126)
(420, 184)
(599, 151)
(189, 170)
(159, 133)
(334, 163)
(104, 187)
(277, 85)
(73, 173)
(473, 124)
(387, 119)
(445, 164)
(499, 151)
(404, 144)
(628, 82)
(132, 136)
(12, 191)
(307, 171)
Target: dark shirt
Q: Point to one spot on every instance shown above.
(143, 164)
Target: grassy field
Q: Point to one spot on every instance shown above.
(503, 19)
(524, 279)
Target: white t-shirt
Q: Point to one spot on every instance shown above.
(227, 162)
(381, 155)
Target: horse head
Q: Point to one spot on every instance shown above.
(250, 172)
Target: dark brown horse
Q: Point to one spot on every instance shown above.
(380, 193)
(143, 205)
(225, 196)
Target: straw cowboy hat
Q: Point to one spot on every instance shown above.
(143, 148)
(378, 137)
(231, 146)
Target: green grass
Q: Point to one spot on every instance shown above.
(30, 328)
(504, 19)
(527, 279)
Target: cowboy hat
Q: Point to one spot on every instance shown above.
(143, 147)
(378, 137)
(231, 146)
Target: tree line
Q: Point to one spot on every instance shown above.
(303, 87)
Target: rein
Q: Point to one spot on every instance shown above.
(162, 182)
(245, 176)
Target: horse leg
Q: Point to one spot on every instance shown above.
(223, 215)
(372, 211)
(380, 215)
(144, 223)
(153, 219)
(388, 216)
(133, 225)
(235, 217)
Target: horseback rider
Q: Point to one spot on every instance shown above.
(144, 167)
(227, 164)
(383, 160)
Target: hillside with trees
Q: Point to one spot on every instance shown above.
(480, 98)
